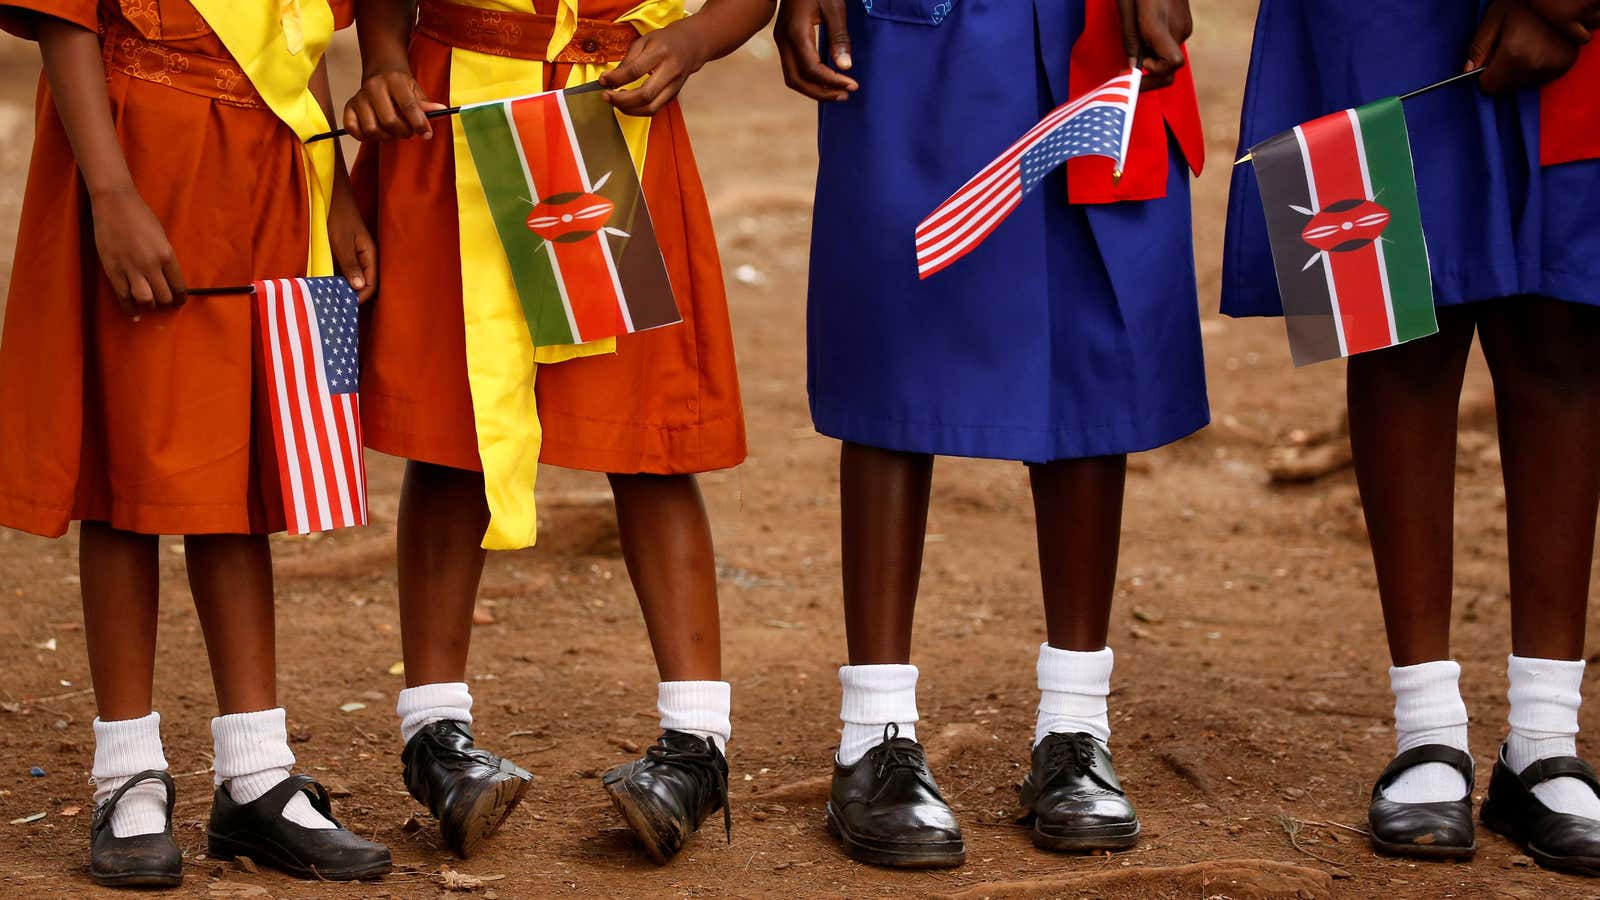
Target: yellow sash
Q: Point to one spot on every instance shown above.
(257, 36)
(501, 359)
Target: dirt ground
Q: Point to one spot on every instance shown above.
(1250, 712)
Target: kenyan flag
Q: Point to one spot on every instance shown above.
(1341, 204)
(571, 215)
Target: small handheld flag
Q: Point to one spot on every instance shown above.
(308, 334)
(1340, 197)
(1097, 124)
(571, 216)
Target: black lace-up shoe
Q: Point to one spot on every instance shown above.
(470, 791)
(887, 811)
(682, 779)
(141, 860)
(258, 830)
(1436, 830)
(1074, 798)
(1560, 841)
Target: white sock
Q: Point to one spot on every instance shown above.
(1428, 710)
(874, 697)
(1545, 694)
(700, 708)
(253, 757)
(431, 702)
(1073, 686)
(122, 749)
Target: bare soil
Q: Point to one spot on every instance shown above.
(1251, 708)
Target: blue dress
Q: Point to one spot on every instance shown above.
(1073, 331)
(1498, 225)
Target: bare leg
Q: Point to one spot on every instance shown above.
(1078, 508)
(884, 505)
(443, 516)
(666, 542)
(230, 576)
(1403, 407)
(121, 589)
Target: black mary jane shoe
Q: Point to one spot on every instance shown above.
(1559, 841)
(258, 830)
(682, 779)
(886, 809)
(471, 792)
(142, 860)
(1074, 799)
(1437, 830)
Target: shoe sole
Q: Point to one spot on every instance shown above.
(137, 879)
(646, 825)
(1423, 851)
(490, 810)
(943, 855)
(227, 847)
(1506, 828)
(1089, 840)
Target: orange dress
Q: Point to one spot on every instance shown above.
(667, 402)
(153, 426)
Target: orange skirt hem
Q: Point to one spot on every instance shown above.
(46, 520)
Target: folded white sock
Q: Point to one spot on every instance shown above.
(426, 703)
(1545, 695)
(875, 697)
(122, 749)
(702, 708)
(253, 757)
(1428, 710)
(1073, 686)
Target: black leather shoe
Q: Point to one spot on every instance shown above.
(1555, 840)
(1074, 797)
(143, 860)
(258, 830)
(887, 811)
(664, 797)
(470, 791)
(1440, 830)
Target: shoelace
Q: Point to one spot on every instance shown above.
(893, 755)
(700, 762)
(1074, 753)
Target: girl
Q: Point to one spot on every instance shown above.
(137, 414)
(663, 407)
(1515, 253)
(1055, 343)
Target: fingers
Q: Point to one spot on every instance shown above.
(119, 286)
(836, 27)
(367, 257)
(1163, 55)
(389, 106)
(1130, 28)
(657, 91)
(1486, 37)
(631, 69)
(803, 69)
(140, 295)
(410, 108)
(175, 282)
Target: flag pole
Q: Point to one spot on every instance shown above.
(222, 290)
(449, 111)
(1464, 76)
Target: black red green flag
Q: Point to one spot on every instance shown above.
(1341, 202)
(571, 215)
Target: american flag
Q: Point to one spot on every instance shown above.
(1096, 124)
(309, 341)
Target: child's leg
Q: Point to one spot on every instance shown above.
(120, 583)
(666, 541)
(1542, 354)
(1078, 509)
(884, 523)
(230, 576)
(1403, 407)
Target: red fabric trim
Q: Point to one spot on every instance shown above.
(1098, 56)
(1569, 112)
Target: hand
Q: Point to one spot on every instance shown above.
(1518, 49)
(135, 253)
(355, 254)
(389, 107)
(803, 68)
(668, 56)
(1153, 32)
(1577, 19)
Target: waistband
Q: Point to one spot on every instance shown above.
(521, 35)
(127, 52)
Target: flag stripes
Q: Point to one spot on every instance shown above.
(315, 417)
(977, 208)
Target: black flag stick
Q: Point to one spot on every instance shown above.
(1470, 73)
(225, 289)
(448, 111)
